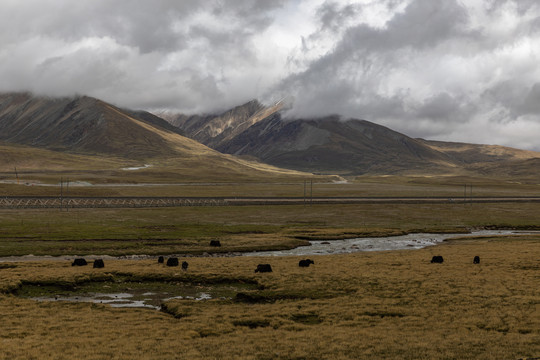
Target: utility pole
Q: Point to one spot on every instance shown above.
(304, 193)
(67, 194)
(16, 175)
(61, 192)
(311, 191)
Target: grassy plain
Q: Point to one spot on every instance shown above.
(125, 183)
(188, 230)
(34, 167)
(392, 305)
(378, 305)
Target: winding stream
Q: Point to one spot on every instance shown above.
(410, 241)
(319, 247)
(152, 294)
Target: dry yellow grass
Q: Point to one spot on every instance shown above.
(31, 159)
(387, 305)
(195, 149)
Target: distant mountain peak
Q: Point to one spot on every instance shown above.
(95, 129)
(332, 144)
(213, 130)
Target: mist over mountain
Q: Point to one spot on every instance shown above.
(217, 130)
(87, 126)
(232, 140)
(332, 145)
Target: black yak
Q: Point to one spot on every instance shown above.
(79, 262)
(98, 264)
(305, 263)
(263, 268)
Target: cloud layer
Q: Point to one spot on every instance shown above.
(439, 69)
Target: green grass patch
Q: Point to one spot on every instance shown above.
(243, 228)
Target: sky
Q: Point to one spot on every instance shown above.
(452, 70)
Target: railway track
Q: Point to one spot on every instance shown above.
(104, 202)
(27, 202)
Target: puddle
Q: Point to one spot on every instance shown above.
(145, 166)
(131, 294)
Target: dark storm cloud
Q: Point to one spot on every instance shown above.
(433, 68)
(350, 74)
(445, 107)
(522, 6)
(146, 25)
(133, 52)
(516, 98)
(531, 104)
(332, 16)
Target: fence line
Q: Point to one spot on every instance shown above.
(125, 202)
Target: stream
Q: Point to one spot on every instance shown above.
(403, 242)
(152, 294)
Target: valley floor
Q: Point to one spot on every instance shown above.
(377, 305)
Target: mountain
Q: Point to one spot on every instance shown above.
(329, 145)
(492, 160)
(250, 141)
(90, 127)
(79, 125)
(217, 130)
(476, 153)
(332, 145)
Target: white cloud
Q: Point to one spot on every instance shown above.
(443, 69)
(437, 69)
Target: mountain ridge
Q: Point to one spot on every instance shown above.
(92, 127)
(247, 138)
(347, 147)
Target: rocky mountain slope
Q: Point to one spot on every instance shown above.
(91, 127)
(217, 130)
(329, 145)
(79, 125)
(341, 146)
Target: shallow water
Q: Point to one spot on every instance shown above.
(410, 241)
(320, 247)
(151, 300)
(128, 294)
(153, 294)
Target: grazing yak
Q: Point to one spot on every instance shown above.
(98, 264)
(263, 268)
(476, 260)
(305, 263)
(172, 261)
(184, 265)
(160, 260)
(79, 262)
(215, 243)
(437, 259)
